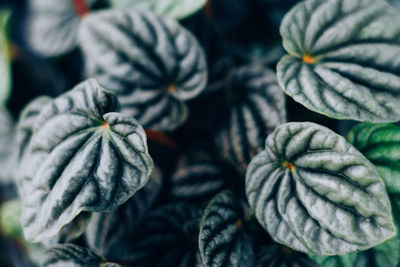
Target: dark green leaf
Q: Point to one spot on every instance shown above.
(106, 229)
(74, 256)
(281, 256)
(256, 106)
(82, 156)
(380, 144)
(152, 63)
(314, 192)
(178, 9)
(7, 156)
(222, 239)
(343, 60)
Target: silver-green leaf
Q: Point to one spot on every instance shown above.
(5, 58)
(314, 192)
(222, 239)
(82, 157)
(152, 63)
(177, 9)
(344, 58)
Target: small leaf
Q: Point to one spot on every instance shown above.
(343, 60)
(73, 255)
(10, 218)
(177, 9)
(151, 63)
(281, 256)
(380, 144)
(314, 192)
(197, 177)
(222, 239)
(256, 106)
(5, 64)
(167, 236)
(82, 156)
(106, 229)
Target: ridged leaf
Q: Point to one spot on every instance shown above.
(222, 240)
(197, 178)
(52, 25)
(314, 192)
(73, 255)
(344, 58)
(166, 237)
(281, 256)
(177, 9)
(107, 228)
(5, 64)
(256, 106)
(82, 156)
(152, 64)
(380, 143)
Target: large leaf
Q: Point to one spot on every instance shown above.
(74, 256)
(167, 236)
(222, 239)
(380, 143)
(5, 64)
(82, 156)
(107, 228)
(314, 192)
(344, 58)
(52, 25)
(197, 177)
(177, 9)
(152, 64)
(256, 105)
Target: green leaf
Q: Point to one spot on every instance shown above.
(152, 63)
(314, 192)
(256, 105)
(343, 60)
(380, 144)
(73, 255)
(222, 240)
(82, 157)
(178, 9)
(10, 218)
(107, 228)
(5, 60)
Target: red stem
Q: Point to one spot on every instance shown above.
(208, 10)
(161, 138)
(81, 8)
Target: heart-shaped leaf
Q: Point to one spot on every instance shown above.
(256, 106)
(52, 25)
(314, 192)
(107, 228)
(73, 255)
(152, 64)
(343, 60)
(380, 143)
(5, 65)
(222, 240)
(177, 9)
(82, 156)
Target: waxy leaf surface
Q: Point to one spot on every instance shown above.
(152, 63)
(314, 192)
(222, 239)
(344, 58)
(82, 156)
